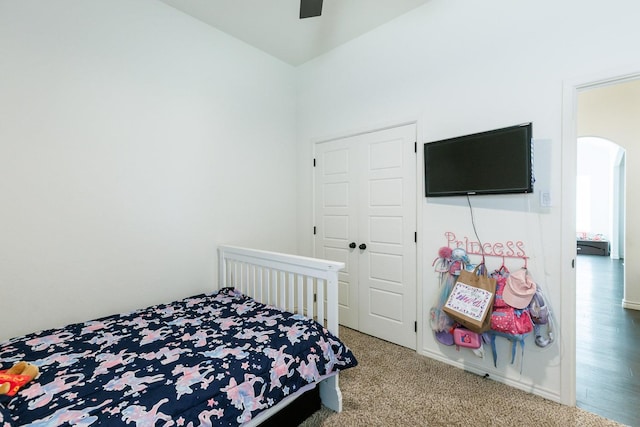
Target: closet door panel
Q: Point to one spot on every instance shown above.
(336, 220)
(387, 225)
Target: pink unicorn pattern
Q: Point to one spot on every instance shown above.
(280, 367)
(141, 417)
(243, 396)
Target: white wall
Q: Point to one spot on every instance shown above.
(459, 67)
(595, 163)
(133, 140)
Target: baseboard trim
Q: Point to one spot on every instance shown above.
(630, 304)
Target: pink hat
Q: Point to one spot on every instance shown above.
(519, 289)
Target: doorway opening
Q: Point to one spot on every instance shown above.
(600, 201)
(605, 369)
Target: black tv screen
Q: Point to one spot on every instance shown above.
(494, 162)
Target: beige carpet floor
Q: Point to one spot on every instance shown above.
(394, 386)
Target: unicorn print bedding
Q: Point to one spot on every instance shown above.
(211, 359)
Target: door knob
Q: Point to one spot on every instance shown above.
(362, 246)
(352, 245)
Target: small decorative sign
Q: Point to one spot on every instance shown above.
(509, 249)
(469, 301)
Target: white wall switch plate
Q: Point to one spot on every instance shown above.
(545, 199)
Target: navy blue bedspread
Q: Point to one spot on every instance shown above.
(215, 359)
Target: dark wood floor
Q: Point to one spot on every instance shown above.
(607, 342)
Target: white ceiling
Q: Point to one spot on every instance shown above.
(274, 25)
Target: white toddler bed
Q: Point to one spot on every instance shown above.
(223, 358)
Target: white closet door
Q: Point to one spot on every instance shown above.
(336, 199)
(366, 194)
(387, 225)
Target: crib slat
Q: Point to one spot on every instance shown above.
(300, 308)
(282, 290)
(237, 275)
(274, 288)
(258, 278)
(309, 291)
(290, 293)
(320, 301)
(267, 288)
(245, 279)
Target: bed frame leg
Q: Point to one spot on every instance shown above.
(330, 394)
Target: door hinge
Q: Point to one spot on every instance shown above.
(314, 162)
(415, 236)
(314, 230)
(415, 147)
(415, 326)
(315, 297)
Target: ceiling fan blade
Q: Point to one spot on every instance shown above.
(310, 8)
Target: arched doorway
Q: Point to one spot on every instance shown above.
(600, 192)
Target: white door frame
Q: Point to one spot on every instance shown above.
(419, 203)
(571, 89)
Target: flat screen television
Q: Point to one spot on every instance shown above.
(494, 162)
